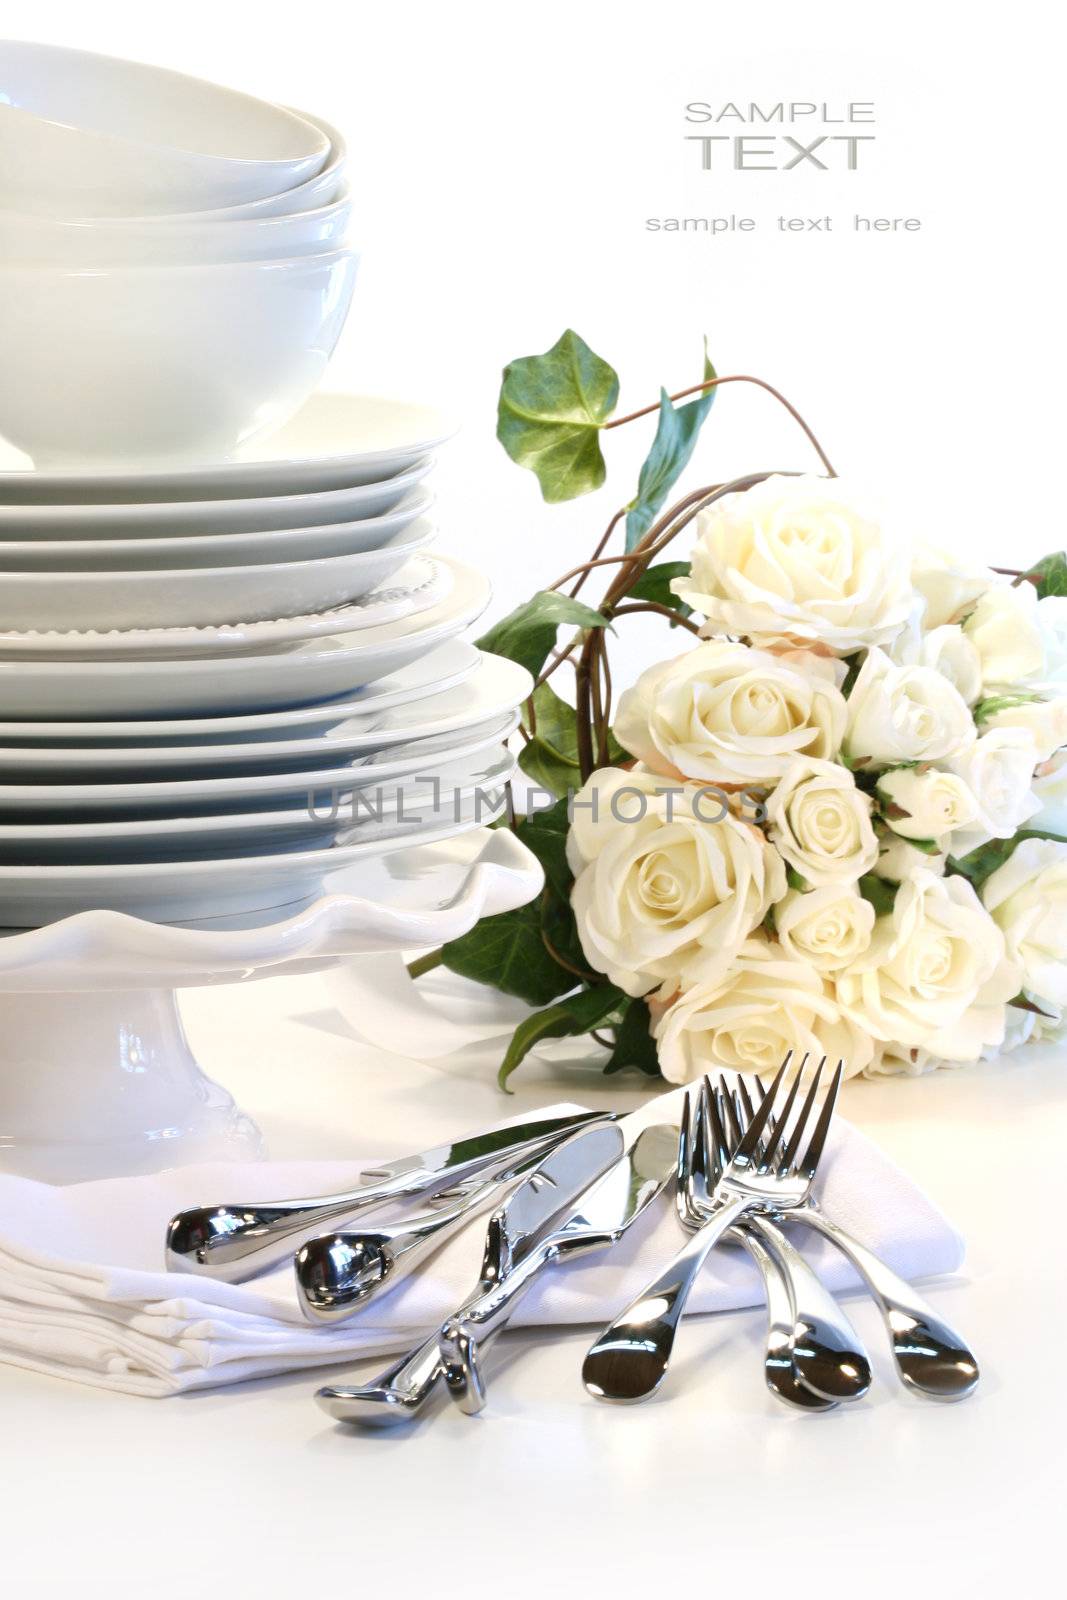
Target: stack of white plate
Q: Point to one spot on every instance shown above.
(221, 683)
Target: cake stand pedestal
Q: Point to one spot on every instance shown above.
(96, 1075)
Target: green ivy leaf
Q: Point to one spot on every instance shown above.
(634, 1044)
(552, 408)
(546, 767)
(929, 847)
(570, 1018)
(655, 584)
(882, 895)
(794, 880)
(508, 953)
(676, 436)
(527, 634)
(1050, 574)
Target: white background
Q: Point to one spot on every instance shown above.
(504, 159)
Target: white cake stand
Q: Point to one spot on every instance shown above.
(96, 1076)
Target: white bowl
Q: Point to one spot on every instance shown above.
(170, 241)
(321, 190)
(136, 365)
(90, 135)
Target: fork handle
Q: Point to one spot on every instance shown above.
(629, 1361)
(929, 1355)
(827, 1352)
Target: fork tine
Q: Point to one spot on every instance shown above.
(748, 1145)
(818, 1138)
(685, 1160)
(717, 1154)
(736, 1125)
(743, 1100)
(721, 1143)
(789, 1153)
(703, 1156)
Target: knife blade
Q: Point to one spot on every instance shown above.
(589, 1218)
(236, 1240)
(648, 1154)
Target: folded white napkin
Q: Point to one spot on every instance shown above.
(83, 1293)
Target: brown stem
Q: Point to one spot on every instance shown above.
(739, 377)
(605, 539)
(674, 617)
(579, 972)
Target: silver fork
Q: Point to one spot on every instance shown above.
(692, 1202)
(814, 1356)
(930, 1356)
(629, 1361)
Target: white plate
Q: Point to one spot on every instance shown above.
(441, 669)
(200, 891)
(313, 669)
(393, 809)
(319, 789)
(334, 440)
(215, 549)
(200, 597)
(495, 691)
(157, 519)
(423, 583)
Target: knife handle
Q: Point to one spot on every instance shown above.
(465, 1338)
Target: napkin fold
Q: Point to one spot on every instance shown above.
(84, 1295)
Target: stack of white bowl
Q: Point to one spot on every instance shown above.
(229, 663)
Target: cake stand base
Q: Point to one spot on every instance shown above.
(103, 1083)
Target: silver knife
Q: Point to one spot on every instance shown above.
(237, 1240)
(402, 1390)
(538, 1227)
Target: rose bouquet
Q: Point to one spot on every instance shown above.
(831, 824)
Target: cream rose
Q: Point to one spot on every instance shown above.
(949, 588)
(821, 823)
(1043, 717)
(898, 859)
(1005, 628)
(998, 769)
(656, 887)
(798, 559)
(948, 650)
(1050, 792)
(929, 965)
(828, 927)
(925, 804)
(902, 1061)
(729, 714)
(1027, 898)
(904, 714)
(749, 1014)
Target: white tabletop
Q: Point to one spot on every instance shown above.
(252, 1491)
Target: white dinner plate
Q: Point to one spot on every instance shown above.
(310, 670)
(333, 440)
(497, 690)
(423, 583)
(317, 788)
(215, 549)
(200, 597)
(395, 808)
(437, 671)
(160, 518)
(201, 891)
